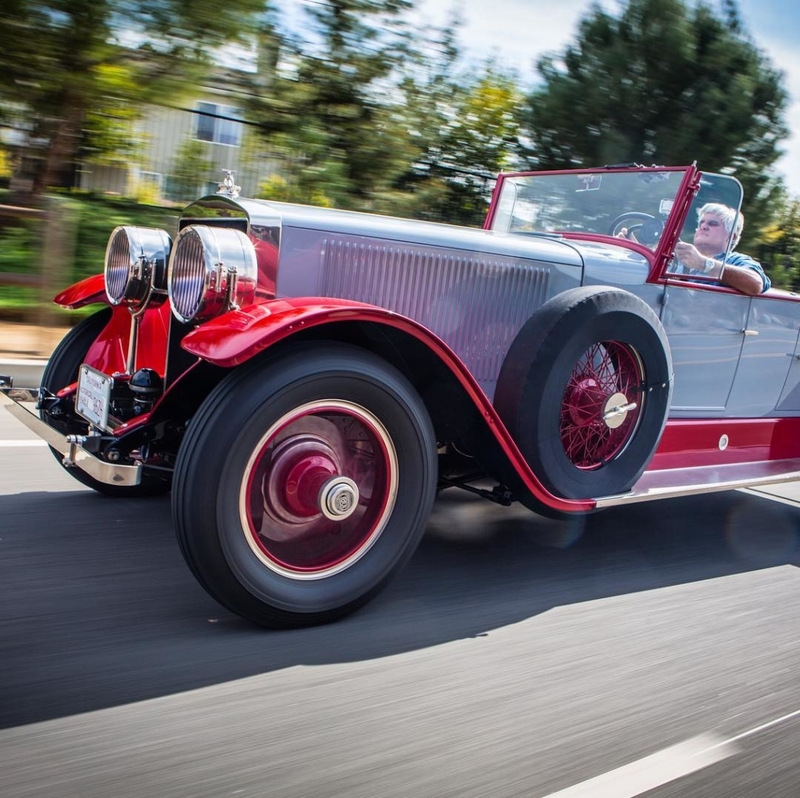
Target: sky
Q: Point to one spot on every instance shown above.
(517, 32)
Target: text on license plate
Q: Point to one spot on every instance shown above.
(94, 396)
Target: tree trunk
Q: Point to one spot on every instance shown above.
(59, 166)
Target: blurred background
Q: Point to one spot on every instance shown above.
(121, 111)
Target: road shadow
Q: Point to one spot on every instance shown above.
(98, 608)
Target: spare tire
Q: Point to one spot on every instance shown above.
(585, 390)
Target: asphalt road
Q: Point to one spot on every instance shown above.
(649, 650)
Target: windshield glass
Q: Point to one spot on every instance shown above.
(631, 203)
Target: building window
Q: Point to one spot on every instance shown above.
(154, 179)
(218, 124)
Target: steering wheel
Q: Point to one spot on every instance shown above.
(646, 228)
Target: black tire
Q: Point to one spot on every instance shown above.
(247, 500)
(581, 355)
(62, 370)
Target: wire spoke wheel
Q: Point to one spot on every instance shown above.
(602, 404)
(585, 391)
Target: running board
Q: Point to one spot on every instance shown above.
(674, 482)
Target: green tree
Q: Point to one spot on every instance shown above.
(466, 128)
(108, 131)
(324, 103)
(367, 119)
(74, 69)
(779, 245)
(5, 164)
(663, 82)
(190, 172)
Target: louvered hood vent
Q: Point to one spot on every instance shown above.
(475, 304)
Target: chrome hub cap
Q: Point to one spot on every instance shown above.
(318, 489)
(338, 498)
(616, 409)
(597, 419)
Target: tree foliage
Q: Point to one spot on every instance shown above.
(479, 137)
(662, 82)
(191, 163)
(75, 69)
(321, 101)
(779, 245)
(365, 113)
(367, 117)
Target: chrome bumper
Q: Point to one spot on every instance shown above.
(70, 448)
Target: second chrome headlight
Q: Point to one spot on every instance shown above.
(212, 269)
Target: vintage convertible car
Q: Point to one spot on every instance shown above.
(304, 380)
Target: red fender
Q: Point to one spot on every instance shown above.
(85, 292)
(235, 337)
(110, 351)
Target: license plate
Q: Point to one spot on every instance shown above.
(94, 396)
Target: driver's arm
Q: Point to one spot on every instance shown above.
(749, 279)
(742, 279)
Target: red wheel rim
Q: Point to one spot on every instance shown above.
(318, 489)
(602, 404)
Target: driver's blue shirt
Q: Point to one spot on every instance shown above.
(737, 259)
(745, 261)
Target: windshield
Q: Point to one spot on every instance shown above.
(635, 203)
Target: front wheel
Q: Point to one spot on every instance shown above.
(304, 483)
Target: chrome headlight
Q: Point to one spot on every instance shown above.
(211, 270)
(136, 266)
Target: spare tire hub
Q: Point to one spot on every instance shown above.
(616, 409)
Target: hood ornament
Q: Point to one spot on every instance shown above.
(227, 186)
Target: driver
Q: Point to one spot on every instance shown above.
(715, 227)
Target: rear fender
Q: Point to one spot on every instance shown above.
(237, 336)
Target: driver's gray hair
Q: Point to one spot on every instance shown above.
(728, 216)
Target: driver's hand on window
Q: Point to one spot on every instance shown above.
(629, 235)
(689, 256)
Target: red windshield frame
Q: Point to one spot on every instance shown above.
(658, 259)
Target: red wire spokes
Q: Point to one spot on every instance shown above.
(607, 369)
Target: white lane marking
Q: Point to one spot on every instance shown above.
(654, 770)
(763, 726)
(664, 766)
(21, 444)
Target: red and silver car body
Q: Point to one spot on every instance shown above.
(343, 366)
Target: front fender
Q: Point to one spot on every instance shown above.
(85, 292)
(235, 337)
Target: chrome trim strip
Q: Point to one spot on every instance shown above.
(676, 482)
(74, 455)
(21, 394)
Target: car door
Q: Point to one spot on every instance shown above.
(768, 352)
(705, 326)
(731, 352)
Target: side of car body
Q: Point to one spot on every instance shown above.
(305, 379)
